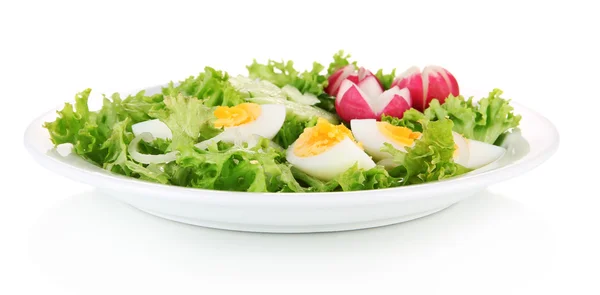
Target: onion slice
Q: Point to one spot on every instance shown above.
(145, 158)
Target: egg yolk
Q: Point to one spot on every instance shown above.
(318, 139)
(236, 115)
(400, 135)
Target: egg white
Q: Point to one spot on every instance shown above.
(469, 153)
(478, 153)
(267, 124)
(333, 161)
(366, 132)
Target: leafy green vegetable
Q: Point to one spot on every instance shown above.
(485, 120)
(493, 117)
(211, 86)
(155, 147)
(151, 172)
(138, 106)
(410, 120)
(326, 102)
(359, 179)
(291, 130)
(352, 179)
(96, 136)
(386, 79)
(340, 60)
(431, 158)
(258, 169)
(283, 73)
(186, 116)
(116, 148)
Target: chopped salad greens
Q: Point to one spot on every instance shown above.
(335, 127)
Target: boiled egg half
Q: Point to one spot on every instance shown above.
(372, 134)
(326, 150)
(241, 123)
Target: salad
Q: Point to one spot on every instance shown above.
(279, 129)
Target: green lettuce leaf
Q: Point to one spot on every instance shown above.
(97, 137)
(353, 179)
(431, 158)
(139, 106)
(283, 73)
(291, 130)
(386, 79)
(412, 119)
(150, 172)
(340, 60)
(212, 87)
(186, 116)
(236, 168)
(116, 148)
(485, 120)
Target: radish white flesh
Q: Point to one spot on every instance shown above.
(370, 86)
(155, 127)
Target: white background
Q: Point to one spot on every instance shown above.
(535, 234)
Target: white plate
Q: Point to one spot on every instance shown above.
(530, 146)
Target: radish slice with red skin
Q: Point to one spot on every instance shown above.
(351, 103)
(397, 104)
(433, 82)
(354, 103)
(435, 85)
(412, 80)
(337, 78)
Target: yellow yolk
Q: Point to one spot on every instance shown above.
(236, 115)
(318, 139)
(400, 135)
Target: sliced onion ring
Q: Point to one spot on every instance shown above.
(145, 158)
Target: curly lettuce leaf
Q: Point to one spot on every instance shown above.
(212, 87)
(116, 148)
(292, 128)
(431, 158)
(485, 120)
(97, 137)
(412, 119)
(186, 116)
(139, 106)
(149, 172)
(283, 73)
(236, 168)
(386, 79)
(340, 60)
(353, 179)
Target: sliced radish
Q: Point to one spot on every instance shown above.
(434, 82)
(412, 80)
(397, 102)
(351, 103)
(369, 101)
(348, 72)
(370, 85)
(336, 79)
